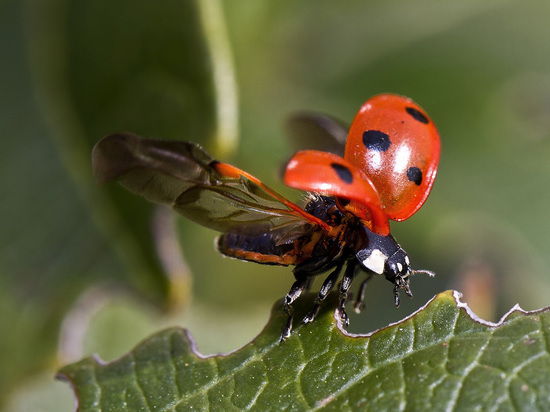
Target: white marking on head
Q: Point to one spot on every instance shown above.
(376, 261)
(407, 260)
(399, 267)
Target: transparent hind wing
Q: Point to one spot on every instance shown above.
(213, 194)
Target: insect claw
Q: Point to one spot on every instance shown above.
(288, 328)
(344, 318)
(359, 303)
(358, 307)
(310, 317)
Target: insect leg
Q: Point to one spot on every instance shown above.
(401, 283)
(396, 295)
(328, 284)
(347, 279)
(295, 291)
(359, 303)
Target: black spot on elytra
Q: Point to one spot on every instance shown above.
(343, 172)
(417, 115)
(376, 140)
(414, 174)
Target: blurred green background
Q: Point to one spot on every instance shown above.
(79, 268)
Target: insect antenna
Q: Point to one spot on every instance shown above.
(423, 272)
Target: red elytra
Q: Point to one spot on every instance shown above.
(394, 142)
(394, 146)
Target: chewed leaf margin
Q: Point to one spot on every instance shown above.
(440, 357)
(516, 310)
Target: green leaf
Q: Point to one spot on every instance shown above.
(162, 70)
(440, 358)
(72, 72)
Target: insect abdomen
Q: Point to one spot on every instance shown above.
(261, 249)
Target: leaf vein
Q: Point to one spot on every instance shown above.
(514, 374)
(138, 384)
(300, 370)
(203, 390)
(256, 396)
(402, 388)
(455, 395)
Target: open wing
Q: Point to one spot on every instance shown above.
(213, 194)
(317, 131)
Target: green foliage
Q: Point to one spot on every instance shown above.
(96, 82)
(438, 359)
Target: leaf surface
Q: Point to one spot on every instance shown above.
(440, 358)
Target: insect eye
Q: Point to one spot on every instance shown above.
(397, 264)
(394, 269)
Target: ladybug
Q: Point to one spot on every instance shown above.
(383, 170)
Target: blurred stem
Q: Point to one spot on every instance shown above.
(170, 254)
(225, 86)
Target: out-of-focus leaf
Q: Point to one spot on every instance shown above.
(440, 358)
(40, 394)
(73, 71)
(101, 67)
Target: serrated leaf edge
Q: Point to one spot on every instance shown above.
(456, 295)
